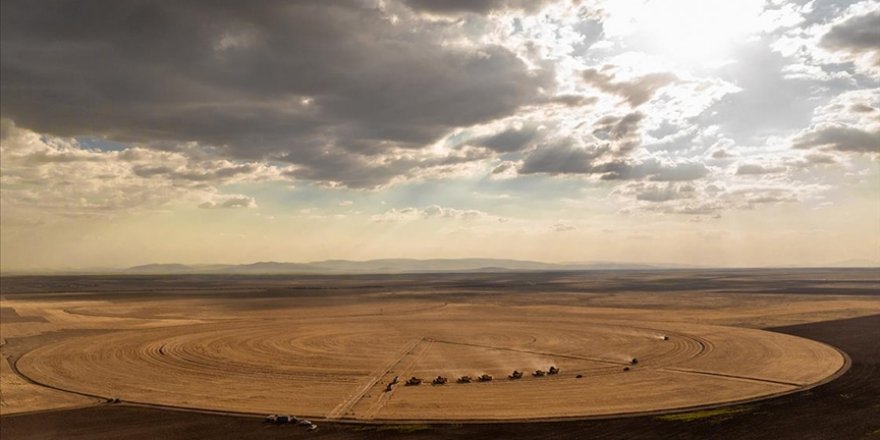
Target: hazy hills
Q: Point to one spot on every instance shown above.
(397, 265)
(400, 265)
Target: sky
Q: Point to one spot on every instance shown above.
(710, 132)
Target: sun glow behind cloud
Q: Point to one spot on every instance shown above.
(697, 33)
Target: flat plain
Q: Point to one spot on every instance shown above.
(326, 347)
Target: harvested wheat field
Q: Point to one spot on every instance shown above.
(339, 367)
(274, 346)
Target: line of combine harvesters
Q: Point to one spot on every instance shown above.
(413, 381)
(440, 380)
(515, 375)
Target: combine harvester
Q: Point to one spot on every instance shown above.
(464, 379)
(439, 380)
(413, 381)
(485, 378)
(308, 424)
(515, 375)
(283, 419)
(553, 370)
(391, 384)
(539, 373)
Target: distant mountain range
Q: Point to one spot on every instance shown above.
(396, 265)
(403, 265)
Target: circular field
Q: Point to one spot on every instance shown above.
(339, 367)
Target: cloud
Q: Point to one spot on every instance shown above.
(862, 108)
(475, 6)
(858, 36)
(693, 209)
(201, 171)
(705, 200)
(617, 137)
(561, 157)
(622, 130)
(573, 100)
(372, 94)
(662, 193)
(654, 170)
(848, 123)
(811, 160)
(429, 212)
(510, 140)
(721, 154)
(752, 169)
(635, 91)
(820, 159)
(566, 157)
(563, 227)
(840, 138)
(235, 201)
(504, 170)
(749, 198)
(332, 88)
(50, 178)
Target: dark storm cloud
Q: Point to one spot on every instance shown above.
(653, 170)
(195, 175)
(563, 157)
(477, 6)
(622, 130)
(510, 140)
(840, 138)
(357, 171)
(636, 91)
(314, 83)
(859, 34)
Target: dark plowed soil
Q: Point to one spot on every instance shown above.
(847, 408)
(449, 285)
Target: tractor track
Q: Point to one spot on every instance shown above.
(346, 406)
(384, 397)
